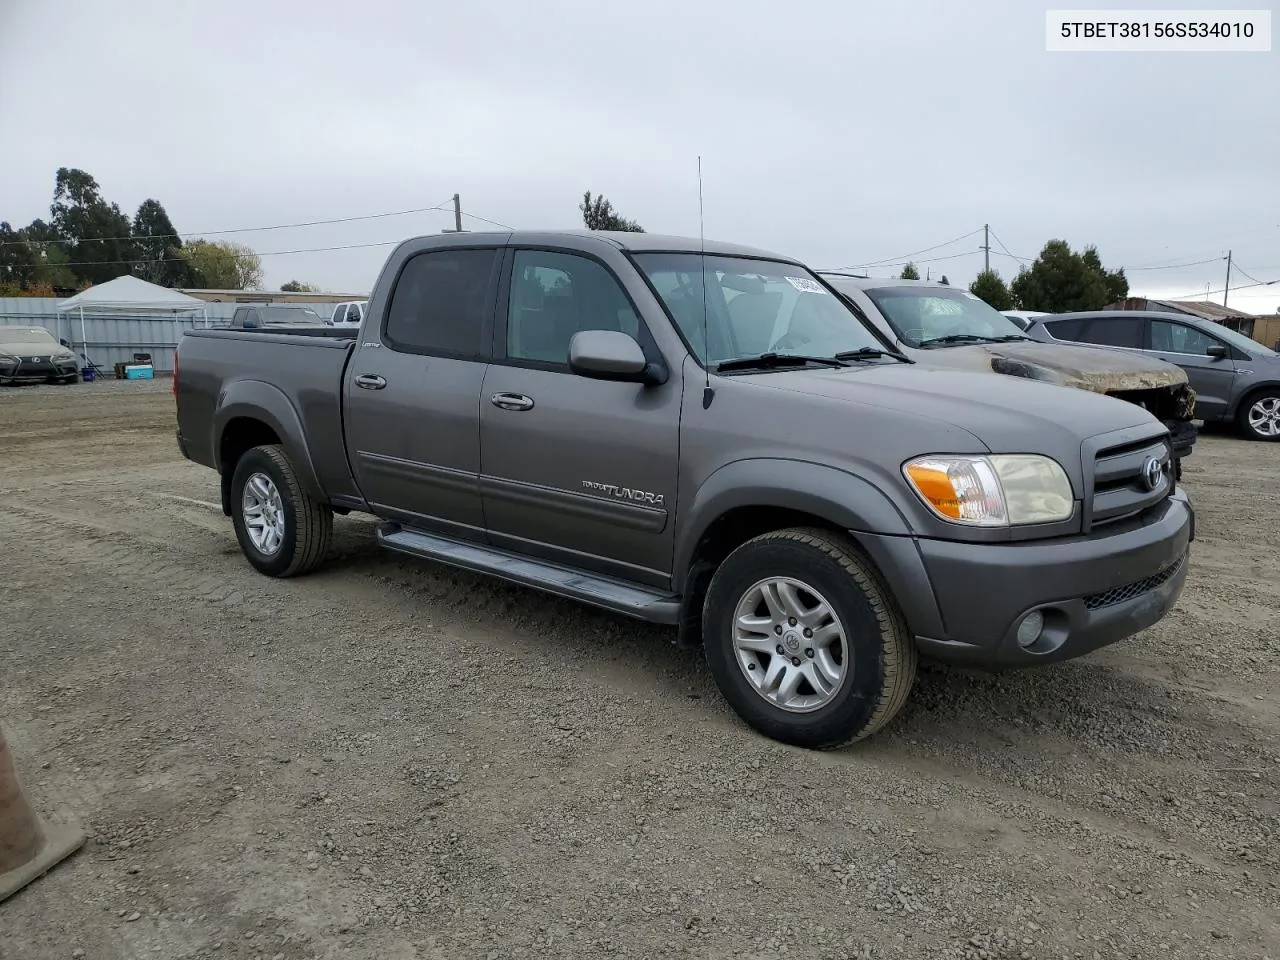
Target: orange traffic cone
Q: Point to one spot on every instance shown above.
(29, 848)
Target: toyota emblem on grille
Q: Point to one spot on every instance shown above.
(1152, 473)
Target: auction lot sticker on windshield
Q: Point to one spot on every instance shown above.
(1158, 31)
(805, 285)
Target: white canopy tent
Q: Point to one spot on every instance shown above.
(131, 296)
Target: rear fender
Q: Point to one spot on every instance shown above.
(269, 405)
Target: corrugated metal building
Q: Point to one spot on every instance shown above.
(111, 340)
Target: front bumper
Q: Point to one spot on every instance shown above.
(1092, 590)
(1182, 435)
(37, 369)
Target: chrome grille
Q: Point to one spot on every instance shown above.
(1129, 591)
(1119, 479)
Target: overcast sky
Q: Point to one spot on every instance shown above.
(842, 133)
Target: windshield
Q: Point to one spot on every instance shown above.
(921, 314)
(34, 336)
(289, 315)
(753, 307)
(1242, 343)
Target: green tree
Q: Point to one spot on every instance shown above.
(33, 260)
(1061, 280)
(97, 234)
(158, 247)
(991, 288)
(221, 265)
(297, 286)
(1117, 283)
(909, 272)
(598, 214)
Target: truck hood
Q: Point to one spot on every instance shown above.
(1085, 368)
(1000, 411)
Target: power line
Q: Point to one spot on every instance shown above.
(1176, 266)
(1007, 251)
(270, 253)
(1240, 269)
(446, 204)
(902, 258)
(1210, 293)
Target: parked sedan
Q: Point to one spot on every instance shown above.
(1237, 380)
(32, 355)
(946, 326)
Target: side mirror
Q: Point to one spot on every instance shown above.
(608, 355)
(1217, 351)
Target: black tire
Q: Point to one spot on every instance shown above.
(1269, 396)
(308, 522)
(881, 652)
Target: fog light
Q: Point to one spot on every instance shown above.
(1030, 628)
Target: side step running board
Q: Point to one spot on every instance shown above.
(624, 598)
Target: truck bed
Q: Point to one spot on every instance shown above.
(296, 375)
(301, 330)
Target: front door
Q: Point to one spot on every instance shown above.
(575, 470)
(412, 392)
(1212, 378)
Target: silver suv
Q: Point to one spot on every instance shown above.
(1236, 379)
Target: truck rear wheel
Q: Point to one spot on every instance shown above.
(804, 642)
(282, 529)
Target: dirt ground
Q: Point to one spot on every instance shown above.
(390, 760)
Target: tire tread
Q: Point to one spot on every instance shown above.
(313, 519)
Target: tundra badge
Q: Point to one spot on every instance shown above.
(625, 493)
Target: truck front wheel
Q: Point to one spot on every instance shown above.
(804, 642)
(282, 529)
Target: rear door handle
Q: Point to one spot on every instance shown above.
(511, 401)
(370, 381)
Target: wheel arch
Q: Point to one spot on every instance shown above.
(1248, 396)
(747, 498)
(253, 413)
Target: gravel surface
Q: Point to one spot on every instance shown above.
(391, 760)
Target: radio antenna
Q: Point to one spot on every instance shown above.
(707, 393)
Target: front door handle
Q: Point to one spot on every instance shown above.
(370, 381)
(511, 401)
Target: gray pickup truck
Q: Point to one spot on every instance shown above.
(616, 418)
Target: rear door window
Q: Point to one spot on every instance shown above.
(1114, 331)
(441, 301)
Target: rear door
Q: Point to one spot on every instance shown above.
(412, 391)
(576, 470)
(1212, 378)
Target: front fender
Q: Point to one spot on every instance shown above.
(878, 524)
(838, 497)
(268, 404)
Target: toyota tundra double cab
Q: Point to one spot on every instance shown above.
(707, 437)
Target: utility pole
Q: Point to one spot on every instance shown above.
(1227, 288)
(986, 248)
(457, 213)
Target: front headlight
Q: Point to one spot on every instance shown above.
(993, 491)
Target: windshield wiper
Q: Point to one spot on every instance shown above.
(766, 361)
(1009, 338)
(958, 338)
(871, 353)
